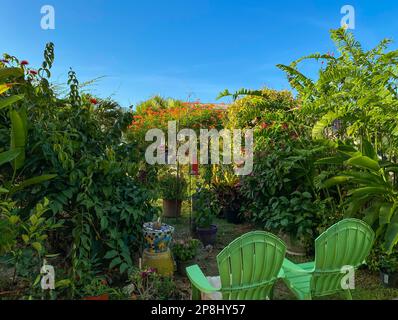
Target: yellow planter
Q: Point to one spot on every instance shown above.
(163, 262)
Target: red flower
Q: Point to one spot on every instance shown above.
(24, 63)
(264, 125)
(33, 72)
(195, 169)
(93, 101)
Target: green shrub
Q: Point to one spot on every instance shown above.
(185, 250)
(250, 110)
(96, 186)
(149, 285)
(172, 186)
(205, 207)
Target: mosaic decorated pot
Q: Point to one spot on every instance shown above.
(157, 240)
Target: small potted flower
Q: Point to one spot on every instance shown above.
(184, 252)
(97, 290)
(173, 189)
(389, 271)
(205, 210)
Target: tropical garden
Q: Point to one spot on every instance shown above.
(77, 194)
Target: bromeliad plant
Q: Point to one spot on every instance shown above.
(372, 190)
(172, 186)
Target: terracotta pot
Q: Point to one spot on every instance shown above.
(172, 208)
(102, 297)
(208, 236)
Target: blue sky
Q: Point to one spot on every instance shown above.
(187, 49)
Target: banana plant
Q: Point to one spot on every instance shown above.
(18, 118)
(16, 154)
(372, 189)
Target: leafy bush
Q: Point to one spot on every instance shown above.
(156, 114)
(205, 207)
(226, 186)
(76, 141)
(354, 96)
(172, 186)
(149, 285)
(8, 236)
(371, 190)
(185, 250)
(281, 195)
(98, 287)
(389, 264)
(249, 111)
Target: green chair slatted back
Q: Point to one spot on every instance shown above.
(347, 243)
(249, 266)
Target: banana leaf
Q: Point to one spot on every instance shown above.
(8, 156)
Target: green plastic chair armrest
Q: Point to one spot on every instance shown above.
(199, 280)
(289, 266)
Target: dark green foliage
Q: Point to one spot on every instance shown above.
(95, 188)
(185, 250)
(172, 186)
(205, 207)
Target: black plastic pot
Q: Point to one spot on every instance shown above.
(207, 236)
(389, 280)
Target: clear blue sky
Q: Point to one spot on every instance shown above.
(184, 48)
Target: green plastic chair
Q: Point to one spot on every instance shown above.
(347, 243)
(248, 268)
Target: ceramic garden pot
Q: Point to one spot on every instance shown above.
(157, 240)
(162, 262)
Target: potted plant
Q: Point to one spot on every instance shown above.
(184, 252)
(205, 210)
(97, 290)
(389, 271)
(147, 284)
(226, 186)
(173, 188)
